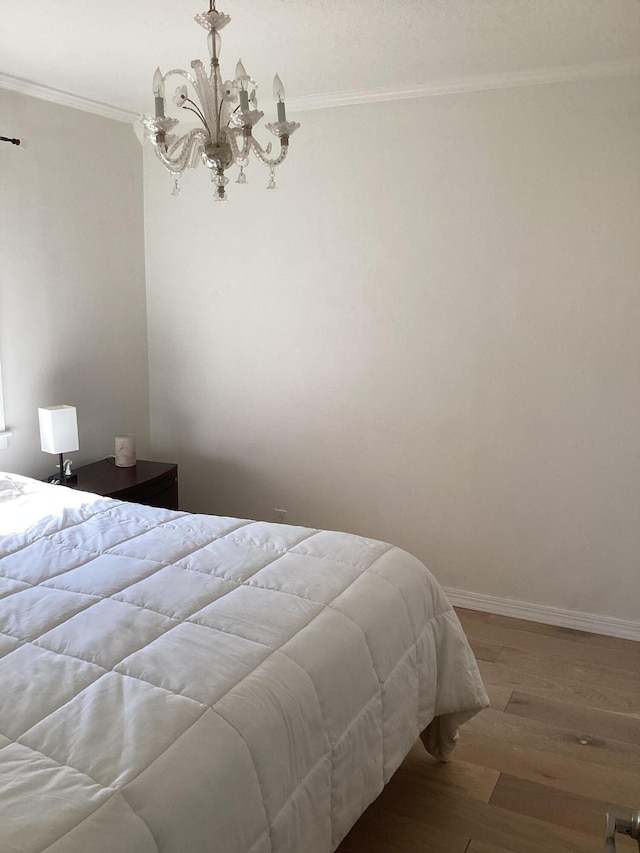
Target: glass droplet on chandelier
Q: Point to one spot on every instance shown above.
(220, 181)
(272, 181)
(176, 192)
(242, 178)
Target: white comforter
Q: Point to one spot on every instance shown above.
(188, 683)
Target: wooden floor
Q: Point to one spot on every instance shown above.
(536, 772)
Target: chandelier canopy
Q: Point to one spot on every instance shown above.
(228, 112)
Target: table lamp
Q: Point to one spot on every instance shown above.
(59, 434)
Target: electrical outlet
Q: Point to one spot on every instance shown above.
(280, 516)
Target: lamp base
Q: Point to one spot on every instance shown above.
(57, 480)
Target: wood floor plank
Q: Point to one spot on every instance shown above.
(375, 845)
(562, 668)
(582, 814)
(481, 847)
(499, 695)
(552, 769)
(454, 776)
(591, 721)
(468, 613)
(484, 650)
(379, 831)
(503, 676)
(626, 657)
(555, 739)
(483, 822)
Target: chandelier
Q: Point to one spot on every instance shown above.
(228, 112)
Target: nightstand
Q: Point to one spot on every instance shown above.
(150, 483)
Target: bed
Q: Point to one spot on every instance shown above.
(188, 683)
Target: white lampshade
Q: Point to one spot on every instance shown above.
(58, 429)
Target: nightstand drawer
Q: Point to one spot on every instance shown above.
(160, 494)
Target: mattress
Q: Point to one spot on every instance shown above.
(184, 683)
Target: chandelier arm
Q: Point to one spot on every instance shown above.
(187, 143)
(174, 166)
(238, 154)
(261, 154)
(189, 140)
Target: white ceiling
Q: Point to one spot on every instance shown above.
(108, 52)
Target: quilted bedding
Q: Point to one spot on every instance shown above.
(188, 683)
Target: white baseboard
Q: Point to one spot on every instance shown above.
(576, 620)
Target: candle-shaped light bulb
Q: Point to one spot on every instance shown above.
(158, 91)
(278, 94)
(215, 43)
(242, 83)
(242, 78)
(278, 88)
(158, 84)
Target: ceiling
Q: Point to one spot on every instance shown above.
(108, 53)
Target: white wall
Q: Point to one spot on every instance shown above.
(429, 335)
(72, 288)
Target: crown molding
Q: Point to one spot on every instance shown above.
(476, 83)
(65, 99)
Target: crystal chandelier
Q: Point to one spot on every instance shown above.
(228, 112)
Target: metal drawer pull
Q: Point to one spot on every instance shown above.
(623, 821)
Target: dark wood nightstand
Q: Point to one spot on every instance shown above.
(150, 483)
